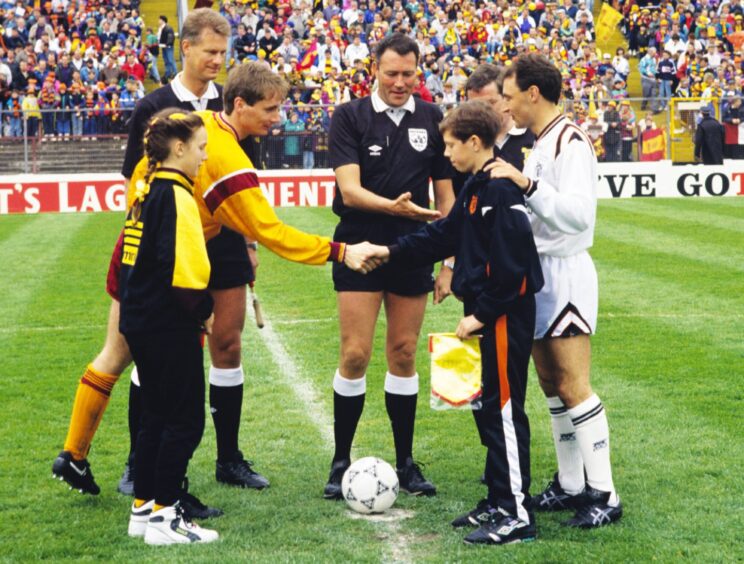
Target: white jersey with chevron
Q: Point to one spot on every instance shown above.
(563, 201)
(563, 196)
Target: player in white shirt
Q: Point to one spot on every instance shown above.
(559, 181)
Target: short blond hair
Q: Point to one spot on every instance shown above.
(201, 19)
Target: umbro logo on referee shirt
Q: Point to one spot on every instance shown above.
(375, 151)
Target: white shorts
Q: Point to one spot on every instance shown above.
(567, 304)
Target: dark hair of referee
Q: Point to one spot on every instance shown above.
(398, 42)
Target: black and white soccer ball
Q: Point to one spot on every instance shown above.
(370, 485)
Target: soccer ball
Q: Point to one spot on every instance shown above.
(370, 485)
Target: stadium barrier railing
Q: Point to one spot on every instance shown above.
(39, 144)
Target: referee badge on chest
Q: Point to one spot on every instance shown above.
(418, 138)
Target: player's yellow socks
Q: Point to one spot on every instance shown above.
(157, 507)
(91, 400)
(139, 502)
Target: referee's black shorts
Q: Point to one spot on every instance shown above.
(228, 258)
(396, 279)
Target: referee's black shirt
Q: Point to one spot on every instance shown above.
(393, 159)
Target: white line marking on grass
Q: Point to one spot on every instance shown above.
(306, 393)
(301, 387)
(303, 321)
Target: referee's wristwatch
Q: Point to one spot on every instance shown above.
(253, 245)
(449, 264)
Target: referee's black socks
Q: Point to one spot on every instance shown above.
(225, 403)
(400, 400)
(348, 404)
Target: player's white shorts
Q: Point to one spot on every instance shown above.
(567, 304)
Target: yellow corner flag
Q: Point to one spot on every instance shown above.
(455, 371)
(607, 23)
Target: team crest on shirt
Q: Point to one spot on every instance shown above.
(418, 138)
(526, 152)
(473, 205)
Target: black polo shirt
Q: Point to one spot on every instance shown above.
(393, 159)
(514, 151)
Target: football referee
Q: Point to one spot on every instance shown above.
(384, 148)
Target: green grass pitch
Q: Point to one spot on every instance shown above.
(668, 364)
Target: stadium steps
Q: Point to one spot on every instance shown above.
(684, 152)
(71, 156)
(150, 11)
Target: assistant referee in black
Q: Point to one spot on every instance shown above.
(384, 149)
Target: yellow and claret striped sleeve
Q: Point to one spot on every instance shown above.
(234, 198)
(247, 211)
(191, 267)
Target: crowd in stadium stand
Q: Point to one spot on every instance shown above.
(73, 68)
(95, 60)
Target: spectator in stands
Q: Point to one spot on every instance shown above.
(89, 72)
(133, 68)
(116, 123)
(733, 116)
(64, 112)
(13, 110)
(110, 69)
(627, 130)
(648, 69)
(64, 70)
(31, 113)
(167, 40)
(6, 75)
(666, 72)
(612, 136)
(89, 114)
(48, 103)
(356, 51)
(21, 75)
(267, 38)
(245, 44)
(621, 64)
(77, 102)
(292, 142)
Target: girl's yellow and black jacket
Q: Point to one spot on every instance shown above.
(165, 269)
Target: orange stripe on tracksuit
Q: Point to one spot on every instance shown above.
(502, 354)
(502, 422)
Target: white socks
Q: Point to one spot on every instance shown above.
(570, 462)
(402, 386)
(593, 438)
(347, 387)
(226, 377)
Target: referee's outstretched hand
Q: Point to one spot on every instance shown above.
(403, 206)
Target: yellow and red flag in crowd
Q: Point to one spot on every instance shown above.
(653, 145)
(310, 58)
(607, 23)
